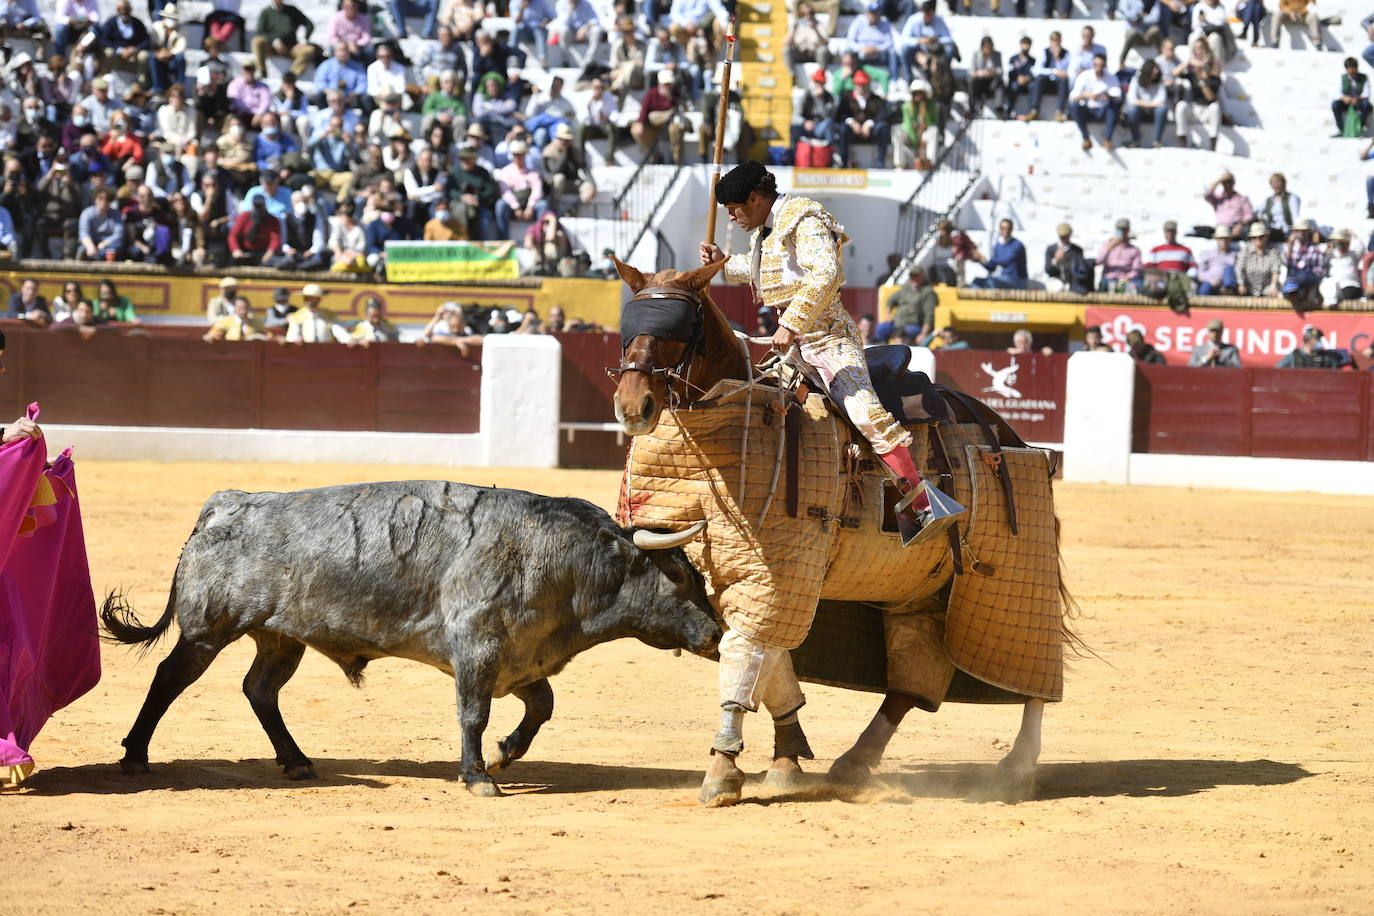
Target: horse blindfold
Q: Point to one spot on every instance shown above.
(673, 315)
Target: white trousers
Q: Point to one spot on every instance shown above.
(752, 674)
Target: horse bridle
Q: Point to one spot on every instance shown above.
(678, 372)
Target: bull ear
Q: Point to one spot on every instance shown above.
(697, 279)
(633, 278)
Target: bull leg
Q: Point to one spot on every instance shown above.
(538, 700)
(474, 679)
(1016, 771)
(180, 669)
(277, 659)
(855, 766)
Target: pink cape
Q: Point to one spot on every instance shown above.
(49, 647)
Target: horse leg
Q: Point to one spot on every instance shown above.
(1016, 771)
(789, 746)
(855, 766)
(278, 658)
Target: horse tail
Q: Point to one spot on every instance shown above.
(1071, 610)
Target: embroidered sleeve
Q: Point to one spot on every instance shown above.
(818, 256)
(737, 268)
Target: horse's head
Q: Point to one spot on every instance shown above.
(663, 328)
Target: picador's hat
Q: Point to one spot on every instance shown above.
(735, 186)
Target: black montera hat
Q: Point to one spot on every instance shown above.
(735, 186)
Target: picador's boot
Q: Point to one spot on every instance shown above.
(789, 744)
(923, 511)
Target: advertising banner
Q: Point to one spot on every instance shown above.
(429, 262)
(1263, 337)
(1026, 388)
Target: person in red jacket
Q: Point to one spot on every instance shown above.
(256, 234)
(657, 110)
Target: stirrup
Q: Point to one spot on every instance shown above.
(921, 525)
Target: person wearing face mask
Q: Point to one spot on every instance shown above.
(302, 245)
(165, 174)
(389, 226)
(444, 226)
(236, 154)
(121, 146)
(167, 60)
(77, 125)
(256, 235)
(32, 125)
(271, 143)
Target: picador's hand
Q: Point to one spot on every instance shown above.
(783, 339)
(710, 254)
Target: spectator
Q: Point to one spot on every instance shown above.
(817, 113)
(477, 193)
(82, 317)
(1305, 264)
(1251, 14)
(1064, 261)
(1257, 265)
(224, 21)
(1282, 208)
(313, 324)
(424, 185)
(1143, 28)
(950, 340)
(279, 312)
(599, 120)
(1147, 97)
(99, 106)
(807, 40)
(532, 19)
(389, 226)
(925, 35)
(445, 226)
(1298, 12)
(101, 229)
(1092, 340)
(492, 57)
(464, 17)
(575, 23)
(167, 45)
(1020, 76)
(657, 110)
(234, 155)
(215, 213)
(28, 305)
(333, 155)
(1120, 261)
(873, 39)
(1051, 73)
(627, 59)
(21, 19)
(351, 27)
(1201, 99)
(57, 207)
(985, 78)
(449, 328)
(386, 76)
(1081, 58)
(918, 136)
(547, 111)
(565, 172)
(344, 75)
(1023, 344)
(148, 238)
(425, 9)
(176, 121)
(441, 56)
(1229, 208)
(950, 252)
(522, 190)
(165, 173)
(1007, 265)
(445, 104)
(1171, 256)
(1311, 353)
(1170, 67)
(303, 242)
(182, 225)
(222, 306)
(88, 160)
(1216, 269)
(111, 306)
(1212, 24)
(1214, 351)
(250, 97)
(271, 145)
(241, 325)
(1096, 96)
(374, 328)
(861, 119)
(910, 309)
(124, 40)
(120, 146)
(493, 107)
(276, 195)
(1140, 351)
(551, 249)
(1342, 268)
(73, 18)
(212, 85)
(256, 235)
(1353, 100)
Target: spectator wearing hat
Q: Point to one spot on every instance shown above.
(249, 97)
(1305, 266)
(342, 74)
(1120, 261)
(123, 39)
(279, 312)
(522, 190)
(1258, 264)
(238, 325)
(1282, 208)
(222, 305)
(99, 106)
(1020, 76)
(910, 309)
(1141, 351)
(873, 39)
(1229, 207)
(374, 328)
(1342, 268)
(1214, 351)
(860, 116)
(1007, 264)
(627, 59)
(817, 112)
(1311, 353)
(313, 324)
(396, 155)
(1171, 256)
(565, 171)
(1096, 96)
(657, 110)
(1354, 96)
(1216, 268)
(101, 229)
(475, 192)
(1065, 262)
(917, 139)
(167, 57)
(807, 40)
(575, 23)
(256, 234)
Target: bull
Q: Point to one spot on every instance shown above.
(497, 588)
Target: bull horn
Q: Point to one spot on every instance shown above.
(654, 540)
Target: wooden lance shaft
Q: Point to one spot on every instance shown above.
(721, 110)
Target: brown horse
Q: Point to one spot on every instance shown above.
(677, 345)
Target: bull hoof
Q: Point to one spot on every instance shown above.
(507, 756)
(300, 771)
(134, 767)
(849, 773)
(785, 775)
(485, 788)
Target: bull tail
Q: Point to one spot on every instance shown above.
(122, 625)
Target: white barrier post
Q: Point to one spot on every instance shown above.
(521, 400)
(922, 360)
(1099, 398)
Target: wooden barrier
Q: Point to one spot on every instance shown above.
(116, 379)
(586, 398)
(1027, 389)
(1262, 413)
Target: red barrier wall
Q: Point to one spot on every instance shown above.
(1026, 389)
(1265, 413)
(174, 380)
(587, 392)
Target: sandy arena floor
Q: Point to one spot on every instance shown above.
(1217, 761)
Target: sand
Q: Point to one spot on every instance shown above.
(1216, 759)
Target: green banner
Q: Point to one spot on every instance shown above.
(428, 262)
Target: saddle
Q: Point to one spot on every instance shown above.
(909, 396)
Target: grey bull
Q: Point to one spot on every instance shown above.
(498, 588)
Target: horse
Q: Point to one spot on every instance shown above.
(689, 349)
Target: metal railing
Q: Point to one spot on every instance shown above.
(621, 222)
(954, 173)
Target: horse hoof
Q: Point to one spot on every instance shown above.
(1015, 782)
(849, 774)
(300, 771)
(721, 793)
(785, 780)
(134, 767)
(485, 788)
